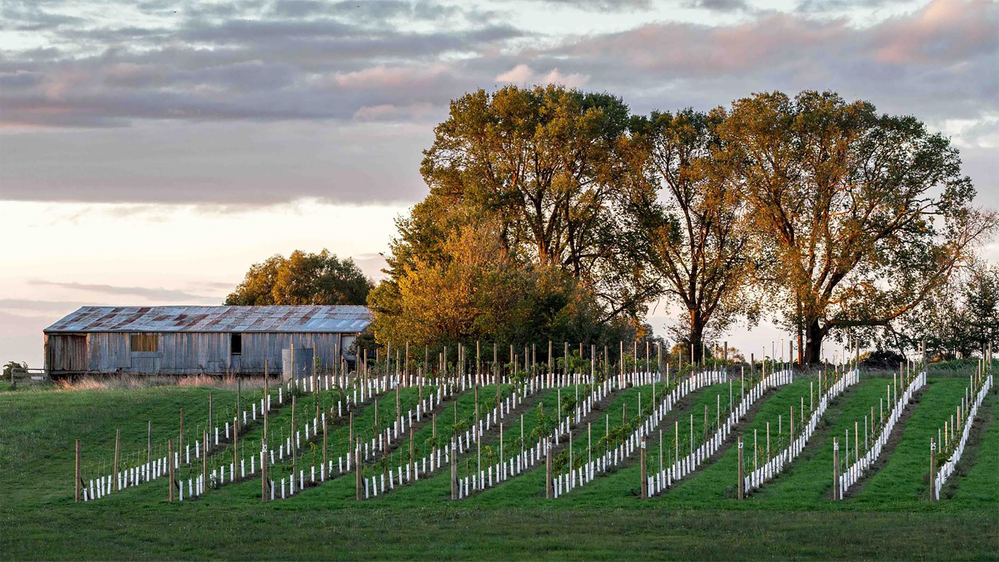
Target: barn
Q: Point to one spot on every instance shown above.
(190, 340)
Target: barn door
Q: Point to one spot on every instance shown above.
(68, 352)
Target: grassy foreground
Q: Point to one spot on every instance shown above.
(790, 518)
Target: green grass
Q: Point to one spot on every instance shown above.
(788, 518)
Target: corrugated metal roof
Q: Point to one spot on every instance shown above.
(314, 319)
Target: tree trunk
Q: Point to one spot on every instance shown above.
(696, 336)
(813, 343)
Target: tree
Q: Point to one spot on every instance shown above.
(692, 219)
(862, 214)
(546, 163)
(957, 318)
(535, 179)
(981, 298)
(302, 278)
(473, 289)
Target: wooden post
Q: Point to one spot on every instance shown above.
(263, 474)
(645, 482)
(742, 477)
(180, 439)
(235, 447)
(454, 471)
(326, 458)
(294, 446)
(837, 493)
(933, 470)
(204, 461)
(79, 476)
(357, 468)
(170, 467)
(548, 469)
(117, 449)
(239, 399)
(149, 446)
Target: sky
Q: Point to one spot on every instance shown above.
(151, 150)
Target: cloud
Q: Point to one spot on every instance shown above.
(155, 294)
(719, 5)
(523, 74)
(261, 102)
(603, 5)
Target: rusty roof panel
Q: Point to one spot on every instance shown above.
(303, 319)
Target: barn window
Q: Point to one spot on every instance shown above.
(145, 342)
(236, 343)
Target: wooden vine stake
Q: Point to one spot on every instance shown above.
(204, 462)
(454, 472)
(263, 474)
(742, 479)
(79, 476)
(117, 450)
(837, 494)
(645, 482)
(933, 470)
(548, 469)
(170, 466)
(326, 460)
(357, 466)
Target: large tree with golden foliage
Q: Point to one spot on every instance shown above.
(533, 178)
(860, 215)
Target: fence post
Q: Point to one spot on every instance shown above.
(454, 472)
(117, 451)
(742, 479)
(837, 493)
(149, 446)
(263, 474)
(645, 482)
(548, 469)
(180, 440)
(357, 468)
(933, 470)
(204, 462)
(170, 467)
(79, 477)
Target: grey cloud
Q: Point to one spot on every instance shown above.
(235, 164)
(604, 5)
(31, 16)
(838, 6)
(213, 109)
(156, 294)
(720, 5)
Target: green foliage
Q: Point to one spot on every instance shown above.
(302, 278)
(14, 367)
(956, 319)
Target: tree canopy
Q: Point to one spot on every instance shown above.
(863, 214)
(556, 214)
(302, 278)
(521, 229)
(692, 220)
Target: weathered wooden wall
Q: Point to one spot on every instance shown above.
(181, 353)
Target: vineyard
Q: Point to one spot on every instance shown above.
(457, 460)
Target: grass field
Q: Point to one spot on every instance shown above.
(889, 517)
